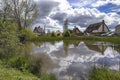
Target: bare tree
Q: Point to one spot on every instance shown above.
(5, 10)
(23, 12)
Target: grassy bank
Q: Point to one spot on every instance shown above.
(103, 74)
(15, 74)
(91, 38)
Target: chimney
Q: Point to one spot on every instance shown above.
(103, 21)
(103, 24)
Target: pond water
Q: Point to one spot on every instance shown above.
(72, 60)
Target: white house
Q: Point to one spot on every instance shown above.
(117, 30)
(100, 27)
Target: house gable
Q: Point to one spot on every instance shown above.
(39, 31)
(76, 31)
(97, 27)
(117, 29)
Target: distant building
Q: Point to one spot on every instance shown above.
(117, 30)
(76, 32)
(58, 33)
(39, 31)
(100, 27)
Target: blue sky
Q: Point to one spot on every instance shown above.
(107, 8)
(78, 12)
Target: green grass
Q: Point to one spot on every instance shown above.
(13, 74)
(91, 38)
(103, 74)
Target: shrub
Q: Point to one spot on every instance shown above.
(53, 34)
(8, 39)
(24, 64)
(66, 33)
(26, 34)
(19, 62)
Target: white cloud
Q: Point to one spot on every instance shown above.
(79, 16)
(83, 3)
(112, 19)
(103, 2)
(56, 11)
(94, 3)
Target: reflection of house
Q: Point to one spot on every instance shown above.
(99, 47)
(77, 32)
(100, 27)
(39, 31)
(117, 30)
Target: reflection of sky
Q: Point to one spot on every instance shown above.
(78, 60)
(48, 48)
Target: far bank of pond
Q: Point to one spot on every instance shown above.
(81, 38)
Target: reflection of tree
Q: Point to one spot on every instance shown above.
(66, 44)
(47, 63)
(26, 48)
(117, 48)
(39, 43)
(53, 42)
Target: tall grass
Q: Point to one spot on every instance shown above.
(103, 74)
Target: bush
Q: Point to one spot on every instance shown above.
(19, 62)
(53, 34)
(66, 33)
(26, 34)
(24, 64)
(9, 40)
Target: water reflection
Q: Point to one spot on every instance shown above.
(74, 59)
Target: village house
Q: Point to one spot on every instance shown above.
(117, 30)
(58, 33)
(97, 28)
(76, 32)
(39, 31)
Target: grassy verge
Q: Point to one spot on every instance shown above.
(91, 38)
(103, 74)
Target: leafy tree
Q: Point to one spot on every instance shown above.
(8, 39)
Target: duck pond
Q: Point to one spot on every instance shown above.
(72, 60)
